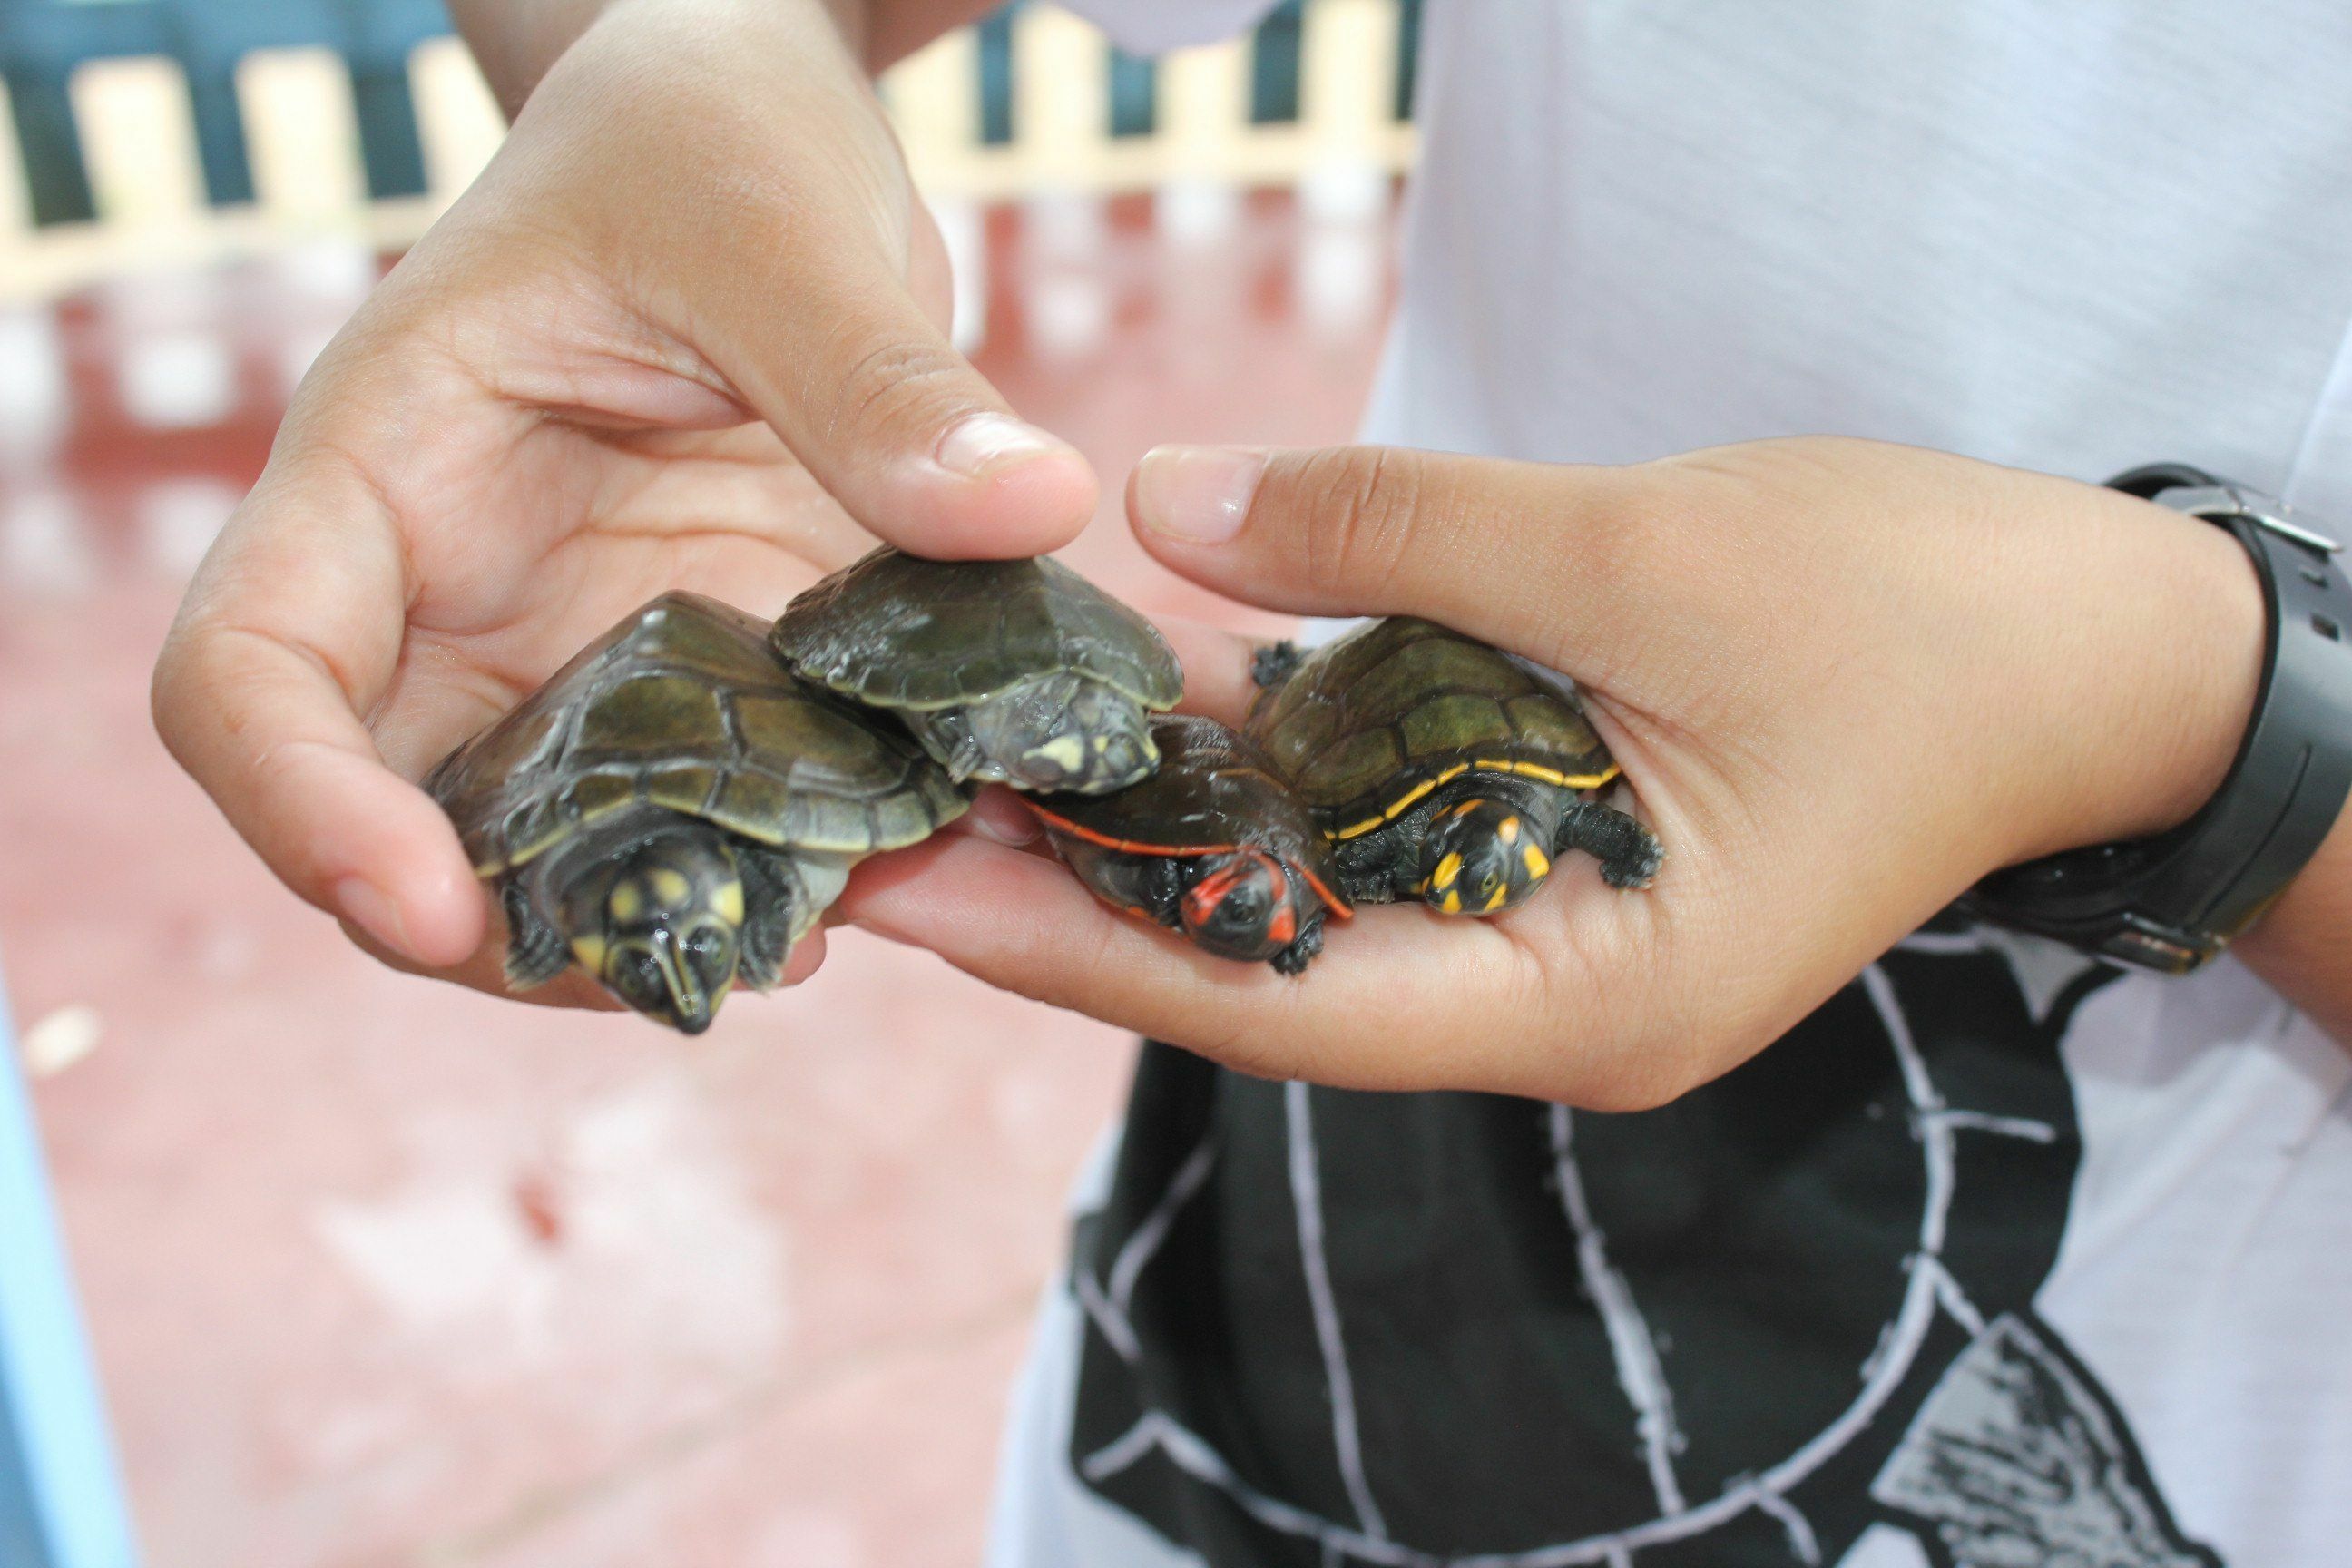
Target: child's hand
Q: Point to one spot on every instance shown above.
(685, 332)
(1844, 679)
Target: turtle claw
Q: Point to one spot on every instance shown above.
(1628, 853)
(1294, 959)
(1272, 665)
(536, 953)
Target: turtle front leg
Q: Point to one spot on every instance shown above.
(784, 893)
(1274, 663)
(1294, 959)
(947, 735)
(1628, 853)
(536, 951)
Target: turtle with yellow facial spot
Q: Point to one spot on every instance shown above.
(674, 809)
(1017, 672)
(1440, 768)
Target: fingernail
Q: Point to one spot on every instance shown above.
(1197, 493)
(364, 905)
(987, 442)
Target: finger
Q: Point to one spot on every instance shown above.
(1518, 553)
(997, 816)
(1024, 923)
(293, 628)
(868, 391)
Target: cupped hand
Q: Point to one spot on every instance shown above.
(1844, 681)
(687, 332)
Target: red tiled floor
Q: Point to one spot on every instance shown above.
(382, 1272)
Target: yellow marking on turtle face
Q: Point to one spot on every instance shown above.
(1537, 864)
(1507, 830)
(1502, 891)
(588, 951)
(1447, 869)
(1102, 742)
(627, 903)
(670, 887)
(1067, 753)
(727, 903)
(1453, 904)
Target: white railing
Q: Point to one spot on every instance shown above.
(139, 139)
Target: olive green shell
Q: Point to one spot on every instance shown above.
(898, 631)
(1367, 724)
(683, 706)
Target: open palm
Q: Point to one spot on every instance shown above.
(630, 360)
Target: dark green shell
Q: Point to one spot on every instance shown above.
(1212, 790)
(683, 706)
(898, 631)
(1368, 723)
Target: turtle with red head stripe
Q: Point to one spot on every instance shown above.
(1211, 845)
(1440, 768)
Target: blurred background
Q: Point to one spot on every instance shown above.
(374, 1271)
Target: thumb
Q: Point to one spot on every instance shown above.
(1550, 560)
(871, 396)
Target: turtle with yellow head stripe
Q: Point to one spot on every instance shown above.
(674, 809)
(1443, 768)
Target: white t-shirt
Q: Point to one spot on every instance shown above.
(2070, 238)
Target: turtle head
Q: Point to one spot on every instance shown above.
(1240, 905)
(664, 930)
(1064, 731)
(1481, 857)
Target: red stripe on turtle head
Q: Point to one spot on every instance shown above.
(1242, 903)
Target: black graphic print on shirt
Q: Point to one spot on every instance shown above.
(1329, 1329)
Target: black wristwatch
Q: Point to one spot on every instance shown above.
(2173, 901)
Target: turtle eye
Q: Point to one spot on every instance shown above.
(647, 975)
(1241, 910)
(706, 952)
(637, 978)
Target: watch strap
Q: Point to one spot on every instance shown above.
(2172, 901)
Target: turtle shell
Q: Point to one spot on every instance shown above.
(1369, 723)
(1213, 791)
(683, 706)
(898, 631)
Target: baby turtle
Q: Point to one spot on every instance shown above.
(672, 811)
(1212, 844)
(1440, 768)
(1018, 672)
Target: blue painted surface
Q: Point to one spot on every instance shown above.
(61, 1502)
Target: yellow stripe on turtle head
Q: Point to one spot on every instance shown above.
(627, 903)
(1447, 869)
(1502, 891)
(727, 903)
(588, 951)
(1507, 830)
(669, 886)
(1538, 865)
(1453, 904)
